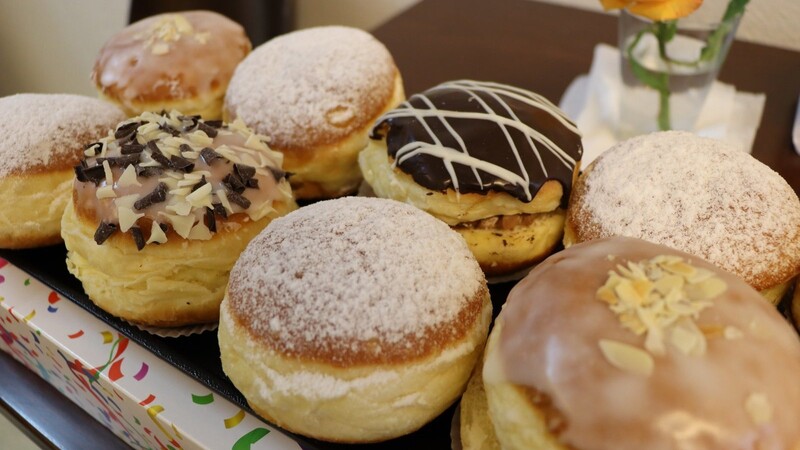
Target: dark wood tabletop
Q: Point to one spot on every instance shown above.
(533, 45)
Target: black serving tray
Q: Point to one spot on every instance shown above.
(198, 355)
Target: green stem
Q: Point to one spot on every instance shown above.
(656, 80)
(664, 123)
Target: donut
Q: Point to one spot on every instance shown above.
(161, 209)
(180, 61)
(353, 320)
(40, 142)
(645, 347)
(495, 162)
(474, 427)
(698, 195)
(316, 93)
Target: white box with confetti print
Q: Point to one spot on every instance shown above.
(143, 400)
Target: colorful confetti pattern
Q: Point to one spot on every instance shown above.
(144, 401)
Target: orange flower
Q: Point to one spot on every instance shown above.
(655, 9)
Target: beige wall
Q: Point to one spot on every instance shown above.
(49, 45)
(769, 22)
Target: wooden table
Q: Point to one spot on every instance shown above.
(533, 45)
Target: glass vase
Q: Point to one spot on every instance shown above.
(668, 67)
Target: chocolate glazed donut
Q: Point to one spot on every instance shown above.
(473, 137)
(493, 161)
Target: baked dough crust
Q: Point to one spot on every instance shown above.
(31, 207)
(499, 252)
(176, 283)
(381, 400)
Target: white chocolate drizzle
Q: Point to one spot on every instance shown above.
(506, 119)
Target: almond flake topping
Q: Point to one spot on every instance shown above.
(758, 407)
(627, 357)
(169, 29)
(660, 298)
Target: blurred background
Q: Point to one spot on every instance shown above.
(50, 45)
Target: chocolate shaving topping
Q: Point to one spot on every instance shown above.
(252, 183)
(193, 118)
(169, 129)
(98, 147)
(238, 199)
(233, 183)
(158, 195)
(211, 221)
(244, 171)
(148, 172)
(79, 173)
(210, 131)
(214, 123)
(220, 210)
(129, 149)
(120, 161)
(104, 231)
(181, 164)
(277, 174)
(124, 131)
(209, 155)
(138, 237)
(94, 174)
(156, 154)
(186, 148)
(199, 183)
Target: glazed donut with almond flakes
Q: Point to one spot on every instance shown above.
(645, 348)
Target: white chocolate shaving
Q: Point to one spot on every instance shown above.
(108, 173)
(106, 192)
(128, 178)
(201, 197)
(127, 218)
(200, 232)
(156, 234)
(181, 224)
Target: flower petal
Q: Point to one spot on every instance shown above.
(664, 9)
(614, 4)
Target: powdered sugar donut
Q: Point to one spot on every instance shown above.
(353, 320)
(180, 61)
(316, 92)
(697, 195)
(42, 137)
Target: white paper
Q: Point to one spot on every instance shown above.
(592, 102)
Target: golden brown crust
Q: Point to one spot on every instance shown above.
(176, 283)
(412, 347)
(352, 404)
(504, 252)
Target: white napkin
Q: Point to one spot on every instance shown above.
(592, 101)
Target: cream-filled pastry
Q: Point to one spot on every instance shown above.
(161, 209)
(495, 162)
